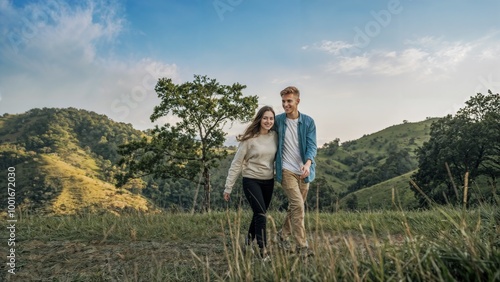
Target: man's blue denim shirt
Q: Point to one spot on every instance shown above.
(307, 143)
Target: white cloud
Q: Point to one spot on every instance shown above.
(57, 56)
(380, 63)
(351, 64)
(357, 93)
(52, 31)
(426, 57)
(332, 47)
(395, 63)
(489, 53)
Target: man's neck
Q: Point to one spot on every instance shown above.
(293, 115)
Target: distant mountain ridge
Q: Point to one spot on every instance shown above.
(66, 161)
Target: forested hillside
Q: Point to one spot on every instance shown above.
(65, 159)
(66, 162)
(375, 157)
(353, 165)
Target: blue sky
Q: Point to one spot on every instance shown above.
(361, 66)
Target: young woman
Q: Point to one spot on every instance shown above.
(255, 161)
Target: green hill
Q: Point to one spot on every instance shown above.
(390, 194)
(373, 158)
(64, 161)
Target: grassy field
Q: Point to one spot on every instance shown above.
(442, 244)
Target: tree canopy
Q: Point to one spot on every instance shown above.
(468, 142)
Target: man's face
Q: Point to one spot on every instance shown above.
(290, 103)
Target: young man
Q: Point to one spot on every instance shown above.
(295, 167)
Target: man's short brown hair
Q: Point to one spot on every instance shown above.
(290, 90)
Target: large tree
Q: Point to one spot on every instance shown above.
(191, 147)
(468, 142)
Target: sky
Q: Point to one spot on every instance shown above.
(361, 66)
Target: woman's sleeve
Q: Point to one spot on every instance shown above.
(236, 167)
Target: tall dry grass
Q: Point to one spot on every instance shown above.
(442, 244)
(439, 244)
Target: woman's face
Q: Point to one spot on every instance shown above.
(267, 121)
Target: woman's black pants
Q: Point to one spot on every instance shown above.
(259, 194)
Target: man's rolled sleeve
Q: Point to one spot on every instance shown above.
(311, 148)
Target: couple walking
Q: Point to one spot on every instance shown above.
(289, 139)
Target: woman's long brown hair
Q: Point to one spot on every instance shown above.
(254, 128)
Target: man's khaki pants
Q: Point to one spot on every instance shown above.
(296, 191)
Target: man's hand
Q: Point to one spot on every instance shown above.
(227, 196)
(305, 169)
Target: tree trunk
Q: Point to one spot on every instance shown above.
(206, 176)
(196, 194)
